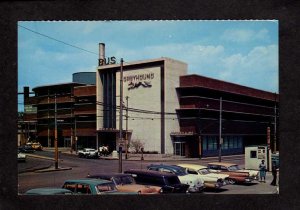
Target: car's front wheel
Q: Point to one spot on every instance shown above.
(231, 181)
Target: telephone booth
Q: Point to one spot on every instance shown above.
(255, 154)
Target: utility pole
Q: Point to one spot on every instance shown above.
(121, 116)
(126, 138)
(49, 141)
(220, 130)
(55, 133)
(275, 125)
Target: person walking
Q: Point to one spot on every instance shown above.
(274, 173)
(262, 171)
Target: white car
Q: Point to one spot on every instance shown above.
(211, 180)
(21, 157)
(88, 153)
(196, 183)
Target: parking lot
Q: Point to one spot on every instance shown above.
(38, 171)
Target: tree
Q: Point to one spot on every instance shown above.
(136, 145)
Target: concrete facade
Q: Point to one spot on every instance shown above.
(149, 86)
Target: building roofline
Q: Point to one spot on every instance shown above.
(140, 62)
(58, 84)
(230, 83)
(242, 88)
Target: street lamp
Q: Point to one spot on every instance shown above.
(220, 131)
(121, 116)
(55, 133)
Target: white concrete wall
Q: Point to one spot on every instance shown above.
(173, 70)
(147, 127)
(144, 128)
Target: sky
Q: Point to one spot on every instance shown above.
(241, 52)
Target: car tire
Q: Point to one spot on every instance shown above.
(231, 181)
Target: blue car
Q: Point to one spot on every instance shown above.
(48, 191)
(92, 187)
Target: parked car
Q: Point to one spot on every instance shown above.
(126, 183)
(196, 183)
(35, 145)
(236, 175)
(168, 182)
(48, 191)
(88, 153)
(92, 187)
(211, 180)
(21, 157)
(26, 149)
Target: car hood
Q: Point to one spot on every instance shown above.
(138, 188)
(187, 179)
(215, 175)
(251, 172)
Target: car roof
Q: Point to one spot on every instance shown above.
(166, 166)
(149, 172)
(222, 164)
(48, 191)
(88, 181)
(193, 166)
(107, 175)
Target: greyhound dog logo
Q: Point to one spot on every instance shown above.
(133, 85)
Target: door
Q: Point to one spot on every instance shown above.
(179, 148)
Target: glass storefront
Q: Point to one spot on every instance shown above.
(179, 148)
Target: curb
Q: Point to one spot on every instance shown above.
(34, 169)
(51, 170)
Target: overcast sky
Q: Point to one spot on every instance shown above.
(242, 52)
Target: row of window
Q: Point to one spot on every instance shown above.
(229, 142)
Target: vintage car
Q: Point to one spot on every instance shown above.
(236, 175)
(92, 187)
(126, 183)
(21, 157)
(168, 182)
(35, 145)
(26, 149)
(196, 183)
(48, 191)
(211, 180)
(88, 153)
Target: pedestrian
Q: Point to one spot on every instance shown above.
(274, 173)
(262, 171)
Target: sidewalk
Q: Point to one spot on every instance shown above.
(146, 157)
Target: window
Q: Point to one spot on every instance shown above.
(106, 187)
(223, 168)
(191, 171)
(253, 154)
(240, 142)
(214, 167)
(230, 146)
(212, 143)
(225, 143)
(204, 144)
(83, 189)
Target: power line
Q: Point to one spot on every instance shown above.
(49, 37)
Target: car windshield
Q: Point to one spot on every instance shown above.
(124, 180)
(106, 187)
(203, 171)
(180, 171)
(233, 168)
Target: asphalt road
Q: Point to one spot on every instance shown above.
(82, 167)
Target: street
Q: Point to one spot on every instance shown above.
(29, 178)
